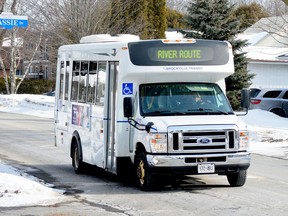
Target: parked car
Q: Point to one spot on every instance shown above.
(51, 93)
(273, 100)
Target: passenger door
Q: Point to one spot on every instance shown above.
(61, 106)
(110, 110)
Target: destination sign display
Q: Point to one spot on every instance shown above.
(181, 53)
(157, 53)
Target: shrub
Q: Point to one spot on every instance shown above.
(31, 86)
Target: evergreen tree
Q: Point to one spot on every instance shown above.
(250, 14)
(216, 20)
(128, 17)
(158, 19)
(175, 19)
(146, 18)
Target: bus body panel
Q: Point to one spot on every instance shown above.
(106, 135)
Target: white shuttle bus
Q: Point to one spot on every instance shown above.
(152, 107)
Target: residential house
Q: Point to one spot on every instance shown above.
(40, 67)
(268, 52)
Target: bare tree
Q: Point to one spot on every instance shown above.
(277, 27)
(16, 51)
(277, 24)
(275, 7)
(243, 2)
(13, 7)
(2, 34)
(30, 61)
(69, 20)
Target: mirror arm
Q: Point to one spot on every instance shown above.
(137, 125)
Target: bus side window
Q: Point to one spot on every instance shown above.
(61, 80)
(67, 80)
(101, 81)
(92, 81)
(83, 76)
(75, 80)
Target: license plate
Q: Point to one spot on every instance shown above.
(206, 168)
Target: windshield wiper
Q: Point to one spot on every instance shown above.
(201, 111)
(165, 112)
(209, 111)
(222, 112)
(157, 112)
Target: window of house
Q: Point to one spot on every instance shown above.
(31, 69)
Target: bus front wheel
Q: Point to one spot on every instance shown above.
(237, 179)
(146, 180)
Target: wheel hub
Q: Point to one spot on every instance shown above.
(141, 172)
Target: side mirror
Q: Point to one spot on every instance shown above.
(245, 98)
(128, 107)
(149, 126)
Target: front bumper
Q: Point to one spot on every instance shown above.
(187, 164)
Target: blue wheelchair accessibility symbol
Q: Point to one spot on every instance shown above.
(127, 88)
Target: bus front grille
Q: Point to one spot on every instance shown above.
(202, 139)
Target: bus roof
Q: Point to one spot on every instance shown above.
(101, 38)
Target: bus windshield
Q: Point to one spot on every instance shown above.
(164, 99)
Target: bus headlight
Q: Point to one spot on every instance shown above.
(243, 140)
(158, 143)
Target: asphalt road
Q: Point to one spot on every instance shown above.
(27, 142)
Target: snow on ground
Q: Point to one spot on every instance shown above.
(39, 105)
(20, 189)
(268, 133)
(17, 188)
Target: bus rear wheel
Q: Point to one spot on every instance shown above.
(77, 162)
(146, 180)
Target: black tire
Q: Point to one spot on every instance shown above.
(77, 162)
(237, 179)
(278, 112)
(146, 181)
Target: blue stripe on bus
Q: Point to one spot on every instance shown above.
(122, 121)
(153, 128)
(106, 119)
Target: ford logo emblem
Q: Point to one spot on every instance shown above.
(204, 140)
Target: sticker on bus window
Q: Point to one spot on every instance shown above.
(127, 88)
